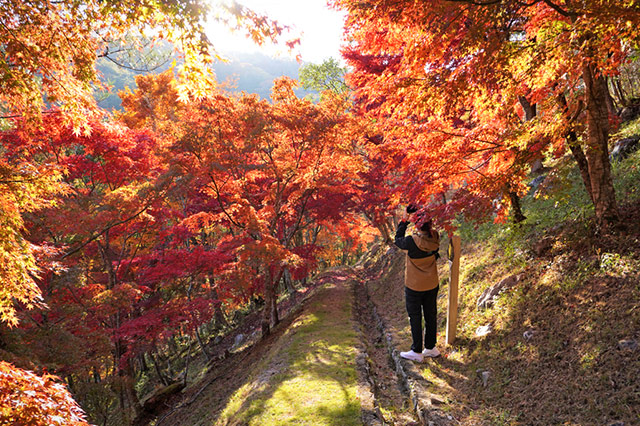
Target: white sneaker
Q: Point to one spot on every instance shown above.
(431, 353)
(413, 356)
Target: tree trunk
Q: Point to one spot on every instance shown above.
(118, 387)
(574, 146)
(71, 384)
(275, 319)
(384, 231)
(619, 91)
(581, 161)
(316, 232)
(128, 397)
(96, 375)
(518, 216)
(530, 112)
(274, 301)
(597, 150)
(270, 313)
(611, 108)
(288, 282)
(203, 347)
(188, 360)
(269, 296)
(132, 397)
(143, 363)
(218, 315)
(163, 380)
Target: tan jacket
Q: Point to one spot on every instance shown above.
(422, 274)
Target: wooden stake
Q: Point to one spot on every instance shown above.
(454, 271)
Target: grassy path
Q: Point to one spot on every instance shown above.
(308, 376)
(325, 364)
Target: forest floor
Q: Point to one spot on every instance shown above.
(560, 347)
(326, 363)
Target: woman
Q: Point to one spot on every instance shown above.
(421, 284)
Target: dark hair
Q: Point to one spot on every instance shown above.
(412, 208)
(426, 227)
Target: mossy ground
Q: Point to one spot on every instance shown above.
(308, 377)
(303, 373)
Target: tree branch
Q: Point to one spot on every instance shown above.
(558, 9)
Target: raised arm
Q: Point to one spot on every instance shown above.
(401, 241)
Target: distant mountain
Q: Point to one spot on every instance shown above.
(244, 72)
(255, 72)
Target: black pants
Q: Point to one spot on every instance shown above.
(419, 302)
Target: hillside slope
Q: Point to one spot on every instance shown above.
(559, 345)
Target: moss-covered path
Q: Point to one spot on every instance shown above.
(308, 376)
(304, 373)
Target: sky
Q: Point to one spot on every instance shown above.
(318, 27)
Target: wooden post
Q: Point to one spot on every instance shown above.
(454, 271)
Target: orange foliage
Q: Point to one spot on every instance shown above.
(443, 81)
(29, 399)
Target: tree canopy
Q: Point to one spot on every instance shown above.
(449, 79)
(127, 237)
